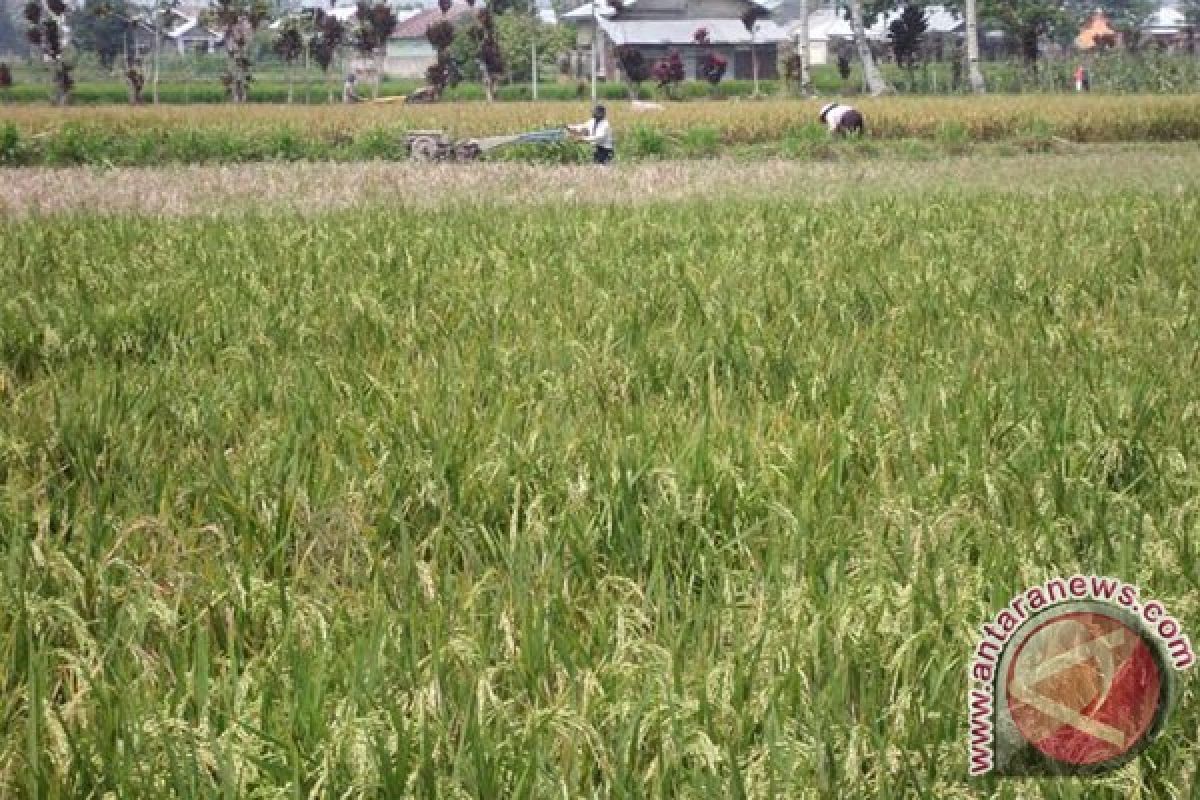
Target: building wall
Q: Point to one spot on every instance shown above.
(408, 58)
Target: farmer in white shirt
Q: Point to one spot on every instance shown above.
(598, 133)
(841, 119)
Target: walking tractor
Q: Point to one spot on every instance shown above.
(439, 146)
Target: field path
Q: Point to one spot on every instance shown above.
(321, 187)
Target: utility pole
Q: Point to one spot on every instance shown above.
(533, 75)
(595, 41)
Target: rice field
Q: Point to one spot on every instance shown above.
(375, 494)
(149, 136)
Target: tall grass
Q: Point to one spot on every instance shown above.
(698, 500)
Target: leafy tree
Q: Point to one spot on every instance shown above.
(876, 85)
(524, 33)
(238, 20)
(45, 33)
(328, 36)
(375, 25)
(906, 34)
(103, 27)
(486, 45)
(970, 55)
(843, 64)
(444, 72)
(289, 46)
(750, 20)
(633, 66)
(135, 77)
(669, 73)
(712, 67)
(1028, 21)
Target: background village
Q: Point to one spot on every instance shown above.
(668, 49)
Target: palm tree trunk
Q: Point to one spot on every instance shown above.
(157, 48)
(876, 85)
(974, 76)
(489, 84)
(805, 51)
(754, 63)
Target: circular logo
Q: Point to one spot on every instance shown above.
(1085, 688)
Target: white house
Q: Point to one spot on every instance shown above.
(940, 21)
(409, 53)
(1168, 26)
(658, 27)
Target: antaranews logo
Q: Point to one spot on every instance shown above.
(1075, 676)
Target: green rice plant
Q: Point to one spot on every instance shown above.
(538, 500)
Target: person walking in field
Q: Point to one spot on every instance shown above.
(349, 94)
(841, 119)
(598, 133)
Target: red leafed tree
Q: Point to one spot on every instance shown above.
(46, 33)
(375, 26)
(444, 72)
(238, 20)
(669, 72)
(712, 67)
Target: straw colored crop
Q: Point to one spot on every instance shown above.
(1088, 118)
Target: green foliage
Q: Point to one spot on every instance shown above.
(375, 24)
(515, 34)
(906, 35)
(328, 35)
(11, 150)
(289, 43)
(1028, 21)
(103, 27)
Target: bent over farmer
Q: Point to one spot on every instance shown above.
(841, 119)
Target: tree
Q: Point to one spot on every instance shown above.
(669, 73)
(524, 33)
(712, 64)
(906, 35)
(800, 69)
(974, 74)
(6, 80)
(289, 46)
(444, 72)
(634, 67)
(750, 19)
(103, 27)
(843, 64)
(876, 85)
(327, 38)
(45, 33)
(135, 77)
(1027, 21)
(238, 20)
(375, 25)
(486, 44)
(712, 67)
(158, 13)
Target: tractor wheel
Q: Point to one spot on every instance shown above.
(423, 148)
(467, 151)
